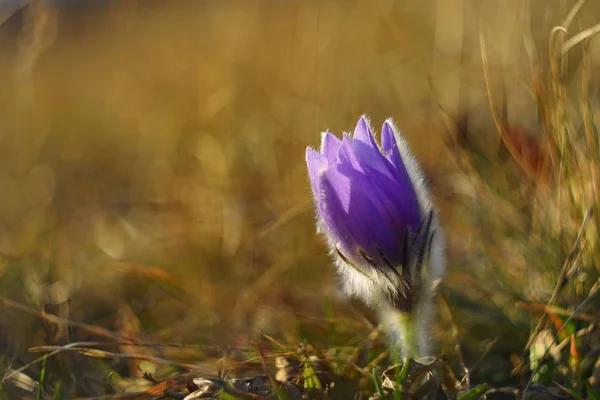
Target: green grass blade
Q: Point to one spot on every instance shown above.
(377, 383)
(3, 394)
(591, 393)
(474, 393)
(40, 391)
(223, 395)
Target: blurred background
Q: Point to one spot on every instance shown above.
(152, 177)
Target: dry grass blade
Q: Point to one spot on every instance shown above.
(555, 310)
(285, 217)
(572, 13)
(125, 396)
(575, 250)
(143, 270)
(457, 347)
(22, 381)
(96, 330)
(8, 10)
(527, 156)
(90, 352)
(580, 37)
(40, 359)
(588, 121)
(528, 41)
(565, 323)
(493, 107)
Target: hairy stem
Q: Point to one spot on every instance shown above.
(408, 337)
(402, 329)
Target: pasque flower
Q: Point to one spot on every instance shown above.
(374, 208)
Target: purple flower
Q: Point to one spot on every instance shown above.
(375, 210)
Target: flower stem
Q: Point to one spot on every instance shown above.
(408, 335)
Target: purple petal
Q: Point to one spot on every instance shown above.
(329, 146)
(373, 158)
(333, 213)
(364, 195)
(367, 151)
(362, 219)
(346, 153)
(359, 155)
(398, 198)
(363, 134)
(392, 151)
(390, 146)
(391, 191)
(349, 166)
(316, 163)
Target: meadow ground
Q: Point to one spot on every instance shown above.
(156, 223)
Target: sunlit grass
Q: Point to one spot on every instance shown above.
(155, 225)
